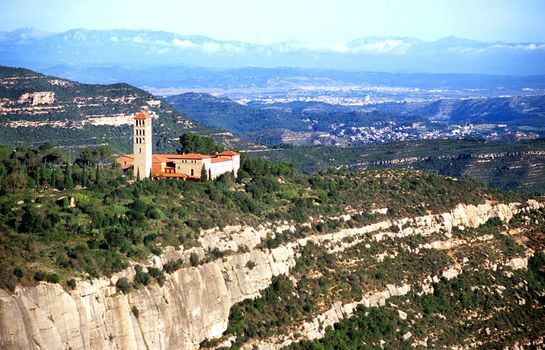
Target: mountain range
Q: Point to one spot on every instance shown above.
(35, 49)
(36, 108)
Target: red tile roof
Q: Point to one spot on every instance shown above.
(228, 153)
(221, 159)
(192, 156)
(142, 115)
(160, 158)
(125, 161)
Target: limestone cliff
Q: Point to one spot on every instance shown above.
(194, 303)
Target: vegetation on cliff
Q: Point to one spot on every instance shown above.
(60, 218)
(487, 304)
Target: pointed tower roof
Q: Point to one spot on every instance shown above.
(141, 116)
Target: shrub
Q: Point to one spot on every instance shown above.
(123, 285)
(40, 276)
(172, 265)
(216, 253)
(18, 272)
(135, 311)
(141, 277)
(159, 275)
(71, 283)
(53, 278)
(194, 259)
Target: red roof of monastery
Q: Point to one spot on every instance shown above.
(141, 116)
(161, 158)
(164, 158)
(192, 156)
(221, 159)
(228, 153)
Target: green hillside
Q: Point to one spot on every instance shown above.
(516, 165)
(75, 116)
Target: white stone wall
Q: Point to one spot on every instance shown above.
(236, 164)
(216, 169)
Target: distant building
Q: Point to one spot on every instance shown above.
(178, 166)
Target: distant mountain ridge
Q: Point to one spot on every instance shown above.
(32, 48)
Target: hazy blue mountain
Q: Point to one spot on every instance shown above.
(284, 78)
(143, 48)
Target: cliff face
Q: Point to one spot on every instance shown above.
(194, 303)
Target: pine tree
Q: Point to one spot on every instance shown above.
(38, 178)
(97, 175)
(84, 178)
(68, 181)
(54, 178)
(204, 176)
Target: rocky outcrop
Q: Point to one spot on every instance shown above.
(194, 303)
(37, 98)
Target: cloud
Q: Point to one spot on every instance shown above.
(138, 39)
(185, 44)
(496, 47)
(370, 47)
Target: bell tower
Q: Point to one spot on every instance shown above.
(142, 145)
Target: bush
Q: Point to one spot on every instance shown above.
(40, 276)
(216, 253)
(123, 285)
(135, 311)
(172, 265)
(71, 283)
(18, 272)
(159, 275)
(194, 259)
(141, 277)
(53, 278)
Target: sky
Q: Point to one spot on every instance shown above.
(266, 21)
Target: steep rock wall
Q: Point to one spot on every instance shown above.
(194, 302)
(192, 305)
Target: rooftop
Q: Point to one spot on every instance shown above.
(142, 116)
(228, 153)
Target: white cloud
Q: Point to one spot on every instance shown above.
(185, 44)
(211, 47)
(138, 39)
(377, 47)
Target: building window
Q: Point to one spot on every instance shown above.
(192, 172)
(140, 149)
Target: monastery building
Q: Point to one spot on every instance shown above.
(179, 166)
